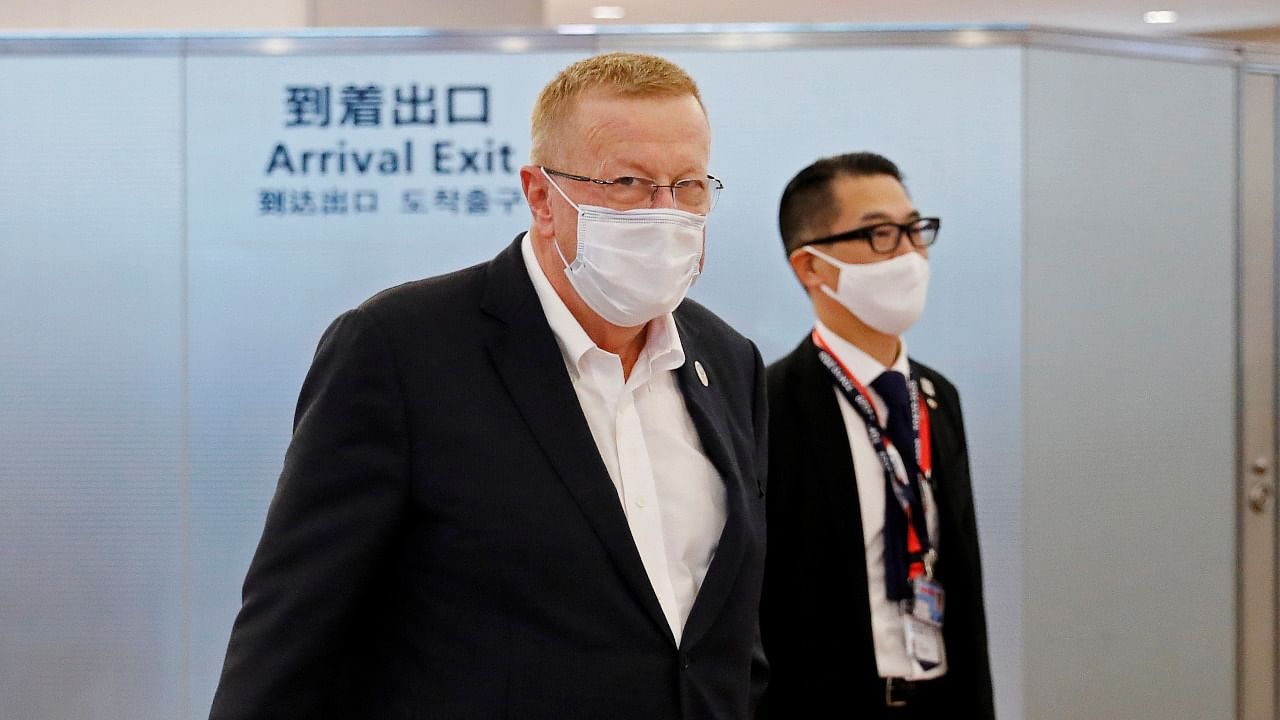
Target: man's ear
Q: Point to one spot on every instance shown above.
(802, 265)
(538, 194)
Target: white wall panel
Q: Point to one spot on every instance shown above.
(1130, 407)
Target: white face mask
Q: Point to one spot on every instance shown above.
(633, 265)
(888, 295)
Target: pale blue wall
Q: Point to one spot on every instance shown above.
(93, 551)
(156, 329)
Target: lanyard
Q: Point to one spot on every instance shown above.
(906, 490)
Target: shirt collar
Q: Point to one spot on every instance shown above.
(864, 367)
(662, 343)
(662, 351)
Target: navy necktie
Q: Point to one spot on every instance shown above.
(891, 386)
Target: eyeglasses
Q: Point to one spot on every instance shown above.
(693, 195)
(884, 238)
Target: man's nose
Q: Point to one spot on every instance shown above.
(663, 197)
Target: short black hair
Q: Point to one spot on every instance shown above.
(808, 204)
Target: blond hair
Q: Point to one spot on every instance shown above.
(624, 74)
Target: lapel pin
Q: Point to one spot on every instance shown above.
(933, 404)
(702, 374)
(927, 386)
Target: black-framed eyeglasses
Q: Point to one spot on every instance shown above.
(884, 238)
(693, 194)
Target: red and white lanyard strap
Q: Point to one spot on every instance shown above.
(906, 489)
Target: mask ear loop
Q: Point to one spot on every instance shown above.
(817, 253)
(839, 266)
(581, 243)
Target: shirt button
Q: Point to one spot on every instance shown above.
(640, 501)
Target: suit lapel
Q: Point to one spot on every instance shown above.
(823, 423)
(944, 446)
(821, 427)
(706, 405)
(528, 360)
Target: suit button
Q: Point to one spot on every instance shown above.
(685, 660)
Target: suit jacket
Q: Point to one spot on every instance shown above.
(815, 614)
(445, 541)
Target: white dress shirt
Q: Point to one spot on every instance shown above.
(673, 497)
(887, 631)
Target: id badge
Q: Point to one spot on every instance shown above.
(929, 599)
(924, 641)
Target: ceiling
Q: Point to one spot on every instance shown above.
(1118, 16)
(1235, 20)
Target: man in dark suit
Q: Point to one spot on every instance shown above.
(531, 488)
(873, 604)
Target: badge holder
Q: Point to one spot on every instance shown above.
(922, 619)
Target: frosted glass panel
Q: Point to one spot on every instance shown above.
(91, 457)
(1130, 396)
